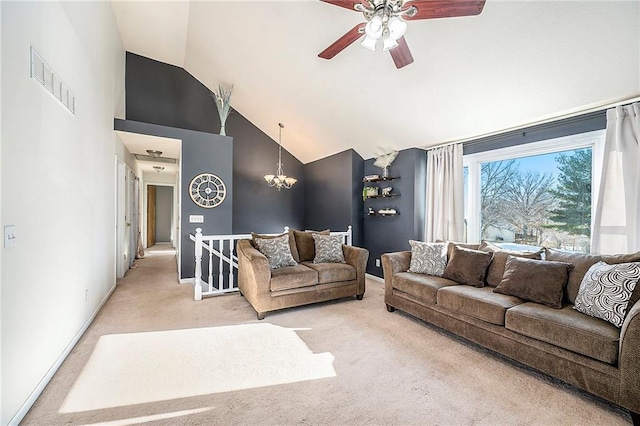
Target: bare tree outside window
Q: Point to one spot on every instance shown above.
(524, 206)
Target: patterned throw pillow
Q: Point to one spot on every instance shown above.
(428, 258)
(328, 249)
(606, 289)
(276, 250)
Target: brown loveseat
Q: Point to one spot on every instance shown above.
(308, 282)
(584, 351)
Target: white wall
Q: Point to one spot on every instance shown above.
(58, 185)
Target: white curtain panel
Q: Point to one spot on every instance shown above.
(445, 194)
(616, 222)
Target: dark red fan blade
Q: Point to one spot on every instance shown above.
(401, 54)
(339, 45)
(431, 9)
(347, 4)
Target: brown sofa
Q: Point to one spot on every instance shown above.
(584, 351)
(273, 289)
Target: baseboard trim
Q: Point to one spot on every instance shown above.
(24, 409)
(373, 277)
(191, 281)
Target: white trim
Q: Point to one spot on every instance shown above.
(374, 278)
(593, 139)
(24, 409)
(595, 107)
(191, 281)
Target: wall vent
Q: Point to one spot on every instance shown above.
(43, 74)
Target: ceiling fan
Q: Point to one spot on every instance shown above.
(386, 21)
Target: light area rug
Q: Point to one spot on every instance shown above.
(139, 368)
(386, 369)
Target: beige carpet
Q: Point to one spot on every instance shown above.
(154, 356)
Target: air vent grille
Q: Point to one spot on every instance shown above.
(43, 74)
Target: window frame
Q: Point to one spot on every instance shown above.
(594, 140)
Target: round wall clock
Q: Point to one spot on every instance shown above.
(207, 190)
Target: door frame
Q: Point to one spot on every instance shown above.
(175, 224)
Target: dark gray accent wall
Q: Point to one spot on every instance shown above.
(384, 234)
(167, 95)
(334, 194)
(201, 152)
(259, 208)
(555, 129)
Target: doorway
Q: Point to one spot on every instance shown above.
(160, 209)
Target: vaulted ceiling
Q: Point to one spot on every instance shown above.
(517, 63)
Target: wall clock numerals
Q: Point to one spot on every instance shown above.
(207, 190)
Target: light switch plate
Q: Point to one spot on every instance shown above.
(196, 218)
(10, 236)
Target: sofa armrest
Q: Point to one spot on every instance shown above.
(254, 274)
(629, 360)
(392, 263)
(357, 257)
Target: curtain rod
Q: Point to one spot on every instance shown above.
(594, 109)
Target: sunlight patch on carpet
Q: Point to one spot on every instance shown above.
(147, 419)
(138, 368)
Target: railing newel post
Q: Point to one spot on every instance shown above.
(198, 274)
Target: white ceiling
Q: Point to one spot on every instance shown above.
(517, 63)
(139, 144)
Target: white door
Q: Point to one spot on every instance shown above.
(121, 189)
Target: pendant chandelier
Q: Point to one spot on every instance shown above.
(280, 180)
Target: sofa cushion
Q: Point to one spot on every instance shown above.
(499, 261)
(468, 266)
(306, 245)
(277, 251)
(537, 281)
(481, 303)
(292, 277)
(581, 263)
(422, 287)
(428, 258)
(566, 328)
(606, 290)
(332, 272)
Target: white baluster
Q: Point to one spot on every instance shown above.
(220, 278)
(231, 241)
(349, 241)
(198, 278)
(210, 264)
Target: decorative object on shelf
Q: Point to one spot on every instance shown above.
(153, 153)
(207, 190)
(387, 211)
(386, 192)
(384, 161)
(369, 191)
(223, 102)
(371, 178)
(158, 168)
(280, 180)
(371, 211)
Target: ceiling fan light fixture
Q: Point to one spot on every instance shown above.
(397, 27)
(369, 43)
(374, 27)
(388, 43)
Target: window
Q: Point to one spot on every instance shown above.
(533, 195)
